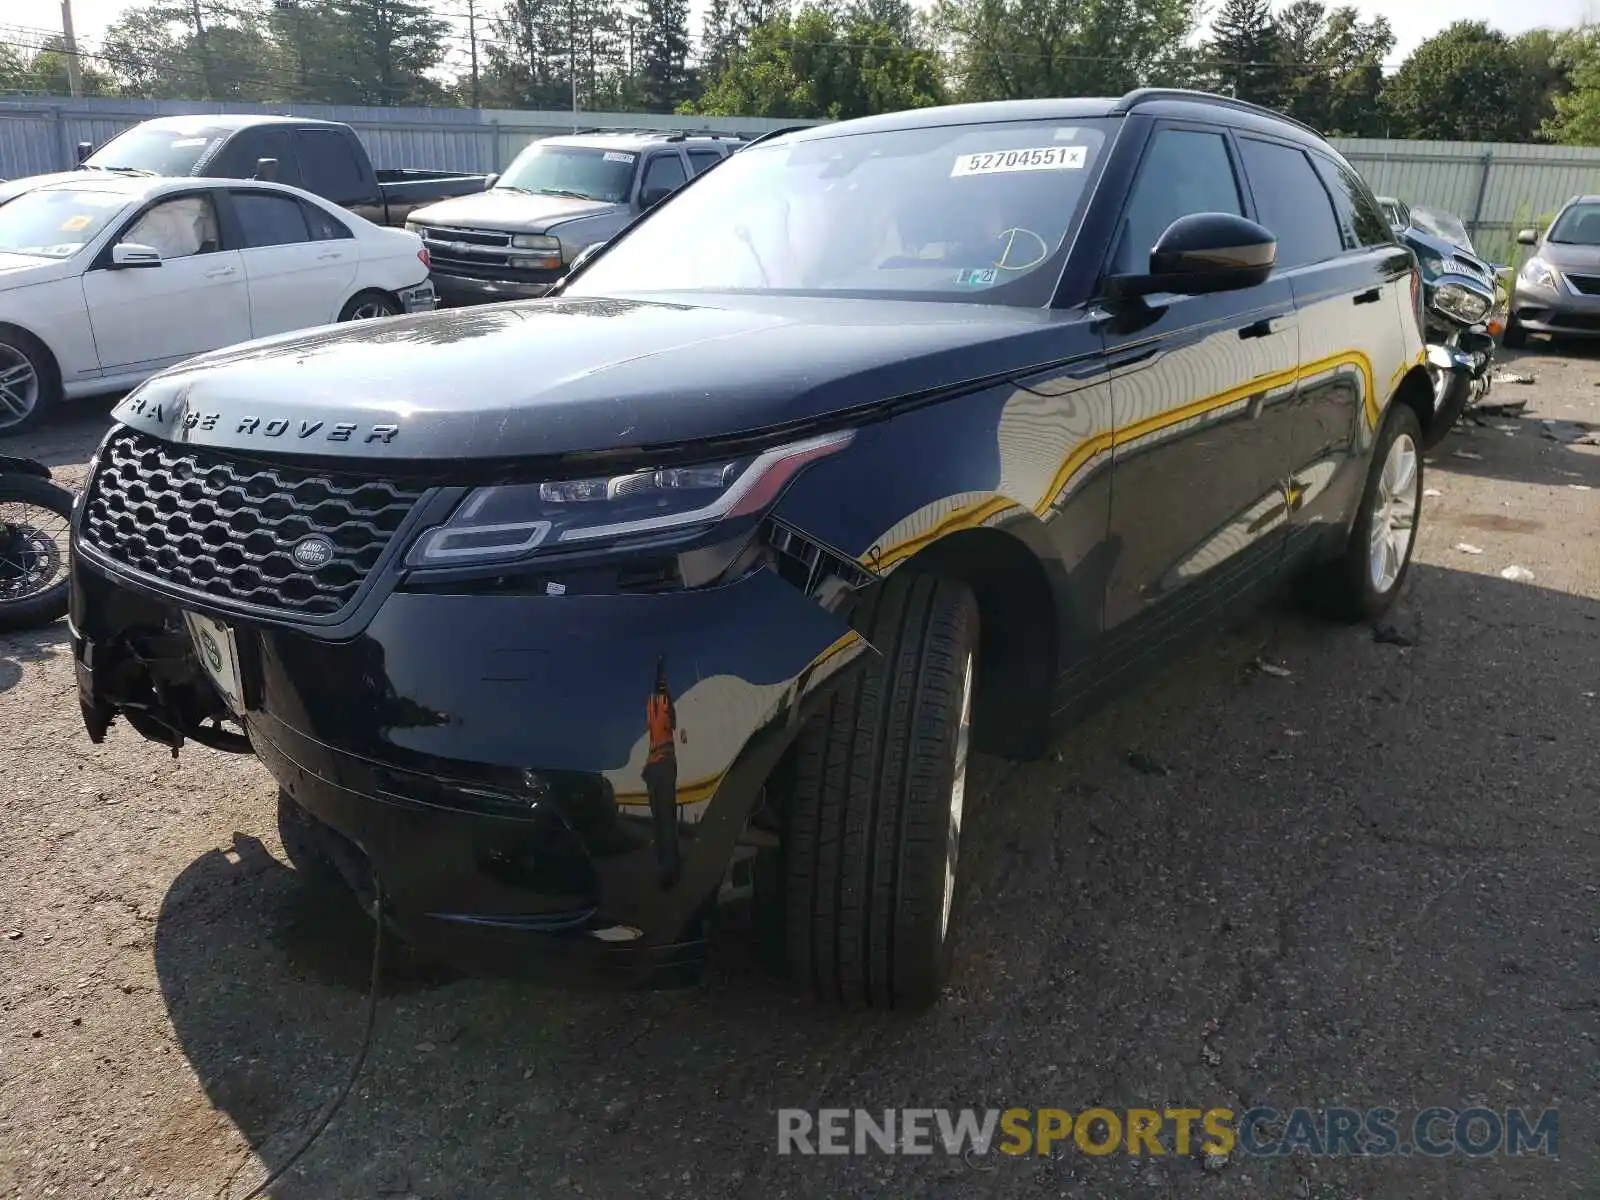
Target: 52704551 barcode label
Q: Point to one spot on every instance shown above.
(1038, 158)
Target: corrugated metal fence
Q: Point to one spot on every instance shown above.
(42, 135)
(1496, 188)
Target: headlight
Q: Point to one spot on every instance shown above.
(1461, 303)
(536, 241)
(1537, 273)
(502, 524)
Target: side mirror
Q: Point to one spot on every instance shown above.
(1203, 253)
(266, 168)
(584, 256)
(1528, 237)
(651, 197)
(132, 254)
(84, 150)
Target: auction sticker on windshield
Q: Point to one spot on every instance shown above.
(618, 156)
(1038, 158)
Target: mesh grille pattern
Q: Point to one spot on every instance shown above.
(191, 518)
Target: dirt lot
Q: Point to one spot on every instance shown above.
(1373, 882)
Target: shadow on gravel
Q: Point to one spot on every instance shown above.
(30, 646)
(1309, 889)
(1526, 457)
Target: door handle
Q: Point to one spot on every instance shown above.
(219, 272)
(1369, 297)
(331, 254)
(1259, 329)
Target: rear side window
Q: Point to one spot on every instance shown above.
(328, 166)
(1184, 171)
(703, 160)
(269, 220)
(1292, 203)
(1360, 218)
(324, 228)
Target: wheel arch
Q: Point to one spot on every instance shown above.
(1019, 633)
(53, 360)
(1415, 390)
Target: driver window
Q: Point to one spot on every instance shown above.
(1184, 171)
(663, 171)
(178, 228)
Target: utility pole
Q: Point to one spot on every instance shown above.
(74, 69)
(572, 57)
(472, 41)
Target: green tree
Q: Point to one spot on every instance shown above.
(1333, 67)
(1021, 49)
(663, 69)
(1463, 84)
(202, 49)
(1246, 53)
(1574, 117)
(388, 46)
(818, 64)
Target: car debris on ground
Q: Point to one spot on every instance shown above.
(1572, 433)
(1517, 574)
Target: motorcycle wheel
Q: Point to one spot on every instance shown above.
(35, 516)
(1450, 401)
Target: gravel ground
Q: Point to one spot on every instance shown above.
(1371, 882)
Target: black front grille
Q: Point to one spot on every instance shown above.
(194, 519)
(1589, 285)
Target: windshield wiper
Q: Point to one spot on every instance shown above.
(122, 170)
(742, 232)
(511, 187)
(566, 192)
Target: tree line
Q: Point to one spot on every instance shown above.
(1322, 63)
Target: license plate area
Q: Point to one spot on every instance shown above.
(218, 651)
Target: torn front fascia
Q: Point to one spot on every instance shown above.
(825, 576)
(149, 677)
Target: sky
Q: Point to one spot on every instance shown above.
(1412, 20)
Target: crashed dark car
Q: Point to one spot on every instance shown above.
(887, 440)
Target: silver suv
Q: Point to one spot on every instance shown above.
(558, 197)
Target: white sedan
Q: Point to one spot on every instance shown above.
(105, 281)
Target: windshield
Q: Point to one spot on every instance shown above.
(1579, 225)
(586, 172)
(972, 213)
(157, 151)
(50, 223)
(1442, 225)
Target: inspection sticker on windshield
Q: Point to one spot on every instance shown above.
(73, 224)
(618, 156)
(976, 276)
(1039, 158)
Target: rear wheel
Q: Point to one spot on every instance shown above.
(1363, 582)
(369, 306)
(28, 382)
(873, 827)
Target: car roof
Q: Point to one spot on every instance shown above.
(147, 187)
(636, 139)
(228, 122)
(1176, 103)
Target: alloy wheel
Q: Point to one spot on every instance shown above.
(19, 386)
(370, 310)
(958, 797)
(1394, 513)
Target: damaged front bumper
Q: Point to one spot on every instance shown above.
(487, 753)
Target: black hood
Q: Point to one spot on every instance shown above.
(565, 376)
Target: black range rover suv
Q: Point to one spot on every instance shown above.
(885, 440)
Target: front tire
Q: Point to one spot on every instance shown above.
(29, 382)
(1515, 336)
(1449, 406)
(873, 827)
(1363, 582)
(35, 516)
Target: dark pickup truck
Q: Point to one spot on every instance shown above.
(324, 157)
